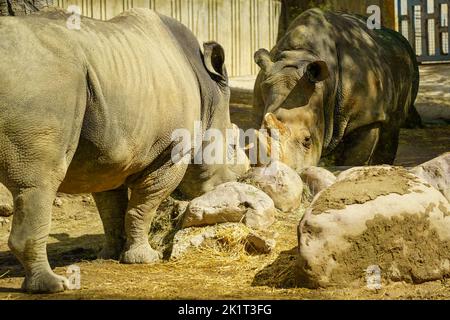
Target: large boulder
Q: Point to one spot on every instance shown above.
(317, 179)
(279, 182)
(376, 216)
(437, 173)
(3, 221)
(231, 202)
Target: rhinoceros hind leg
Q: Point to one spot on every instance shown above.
(28, 239)
(112, 206)
(147, 192)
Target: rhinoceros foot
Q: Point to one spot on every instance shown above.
(140, 254)
(45, 282)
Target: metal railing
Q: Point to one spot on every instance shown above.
(425, 23)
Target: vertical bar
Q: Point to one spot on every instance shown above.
(424, 27)
(448, 30)
(411, 32)
(437, 29)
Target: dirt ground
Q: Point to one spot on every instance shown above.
(77, 235)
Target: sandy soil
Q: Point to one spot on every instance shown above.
(433, 100)
(420, 145)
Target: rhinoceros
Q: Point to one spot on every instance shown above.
(336, 89)
(93, 111)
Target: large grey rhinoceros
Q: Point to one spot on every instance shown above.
(335, 88)
(93, 111)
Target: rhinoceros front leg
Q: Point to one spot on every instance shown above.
(147, 193)
(112, 206)
(28, 238)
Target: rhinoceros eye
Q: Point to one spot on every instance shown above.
(291, 66)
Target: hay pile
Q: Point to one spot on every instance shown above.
(228, 251)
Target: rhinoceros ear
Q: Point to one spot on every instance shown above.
(317, 71)
(214, 59)
(262, 59)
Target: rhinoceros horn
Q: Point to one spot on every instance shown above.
(271, 141)
(271, 122)
(263, 60)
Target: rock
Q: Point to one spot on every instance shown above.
(374, 216)
(87, 198)
(259, 244)
(437, 173)
(189, 238)
(3, 221)
(6, 210)
(317, 179)
(227, 236)
(279, 182)
(6, 202)
(231, 202)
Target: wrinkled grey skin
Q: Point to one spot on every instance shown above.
(92, 111)
(338, 89)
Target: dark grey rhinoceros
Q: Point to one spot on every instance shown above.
(93, 111)
(336, 88)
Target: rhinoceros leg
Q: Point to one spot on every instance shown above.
(387, 146)
(359, 146)
(112, 206)
(147, 193)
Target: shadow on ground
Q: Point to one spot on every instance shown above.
(61, 254)
(280, 274)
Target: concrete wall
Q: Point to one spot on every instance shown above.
(241, 26)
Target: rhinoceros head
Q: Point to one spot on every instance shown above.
(230, 161)
(291, 90)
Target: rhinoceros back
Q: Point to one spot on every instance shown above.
(120, 87)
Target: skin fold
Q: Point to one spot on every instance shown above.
(338, 90)
(92, 111)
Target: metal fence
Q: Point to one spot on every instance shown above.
(425, 24)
